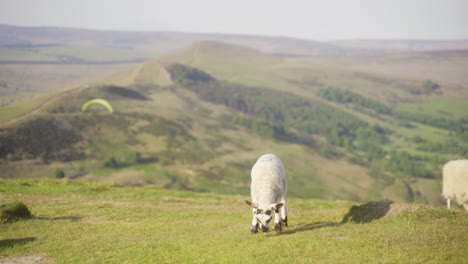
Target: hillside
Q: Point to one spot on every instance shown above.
(198, 119)
(80, 222)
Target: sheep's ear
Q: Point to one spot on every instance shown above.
(276, 207)
(253, 205)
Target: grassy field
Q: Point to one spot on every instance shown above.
(441, 107)
(80, 222)
(68, 53)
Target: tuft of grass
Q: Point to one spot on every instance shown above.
(58, 174)
(14, 211)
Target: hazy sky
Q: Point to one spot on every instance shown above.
(312, 19)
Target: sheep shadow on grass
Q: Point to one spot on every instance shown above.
(17, 241)
(367, 212)
(308, 227)
(364, 213)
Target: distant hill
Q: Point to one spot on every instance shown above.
(395, 45)
(154, 44)
(150, 44)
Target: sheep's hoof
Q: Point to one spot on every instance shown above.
(278, 228)
(254, 229)
(285, 221)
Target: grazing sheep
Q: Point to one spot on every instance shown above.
(268, 192)
(455, 182)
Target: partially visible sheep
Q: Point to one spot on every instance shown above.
(268, 191)
(455, 182)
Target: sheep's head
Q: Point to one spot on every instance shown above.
(264, 214)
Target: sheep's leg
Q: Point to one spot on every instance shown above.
(465, 205)
(284, 213)
(448, 203)
(277, 222)
(254, 228)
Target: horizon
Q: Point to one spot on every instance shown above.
(231, 34)
(316, 20)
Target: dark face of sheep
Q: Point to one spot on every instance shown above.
(264, 215)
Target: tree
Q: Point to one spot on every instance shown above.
(111, 163)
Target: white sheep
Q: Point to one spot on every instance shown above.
(455, 182)
(268, 191)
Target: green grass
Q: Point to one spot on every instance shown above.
(79, 222)
(441, 107)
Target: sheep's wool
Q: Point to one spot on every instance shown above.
(455, 181)
(268, 180)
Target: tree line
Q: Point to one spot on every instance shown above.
(347, 97)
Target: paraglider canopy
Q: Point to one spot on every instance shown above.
(97, 101)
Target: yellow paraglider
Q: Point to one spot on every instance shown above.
(97, 101)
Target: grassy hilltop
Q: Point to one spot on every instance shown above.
(80, 222)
